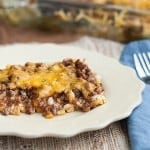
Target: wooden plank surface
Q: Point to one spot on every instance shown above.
(113, 137)
(14, 34)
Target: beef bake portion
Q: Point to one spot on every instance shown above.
(49, 89)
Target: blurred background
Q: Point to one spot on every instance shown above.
(67, 20)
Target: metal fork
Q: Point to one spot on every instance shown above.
(142, 65)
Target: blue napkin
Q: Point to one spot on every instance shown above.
(139, 120)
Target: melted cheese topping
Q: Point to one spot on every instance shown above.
(56, 79)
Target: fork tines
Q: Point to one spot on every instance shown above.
(142, 65)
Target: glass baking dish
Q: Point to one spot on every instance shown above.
(109, 21)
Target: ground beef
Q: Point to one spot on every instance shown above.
(83, 71)
(77, 93)
(67, 62)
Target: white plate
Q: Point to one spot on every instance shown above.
(122, 89)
